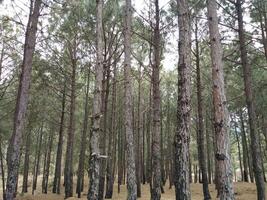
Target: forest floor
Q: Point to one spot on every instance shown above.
(243, 191)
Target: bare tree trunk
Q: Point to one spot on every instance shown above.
(26, 162)
(247, 74)
(37, 159)
(2, 170)
(246, 159)
(156, 153)
(221, 117)
(112, 138)
(96, 115)
(22, 100)
(209, 149)
(239, 152)
(182, 137)
(68, 170)
(79, 187)
(131, 168)
(148, 138)
(57, 175)
(200, 131)
(47, 162)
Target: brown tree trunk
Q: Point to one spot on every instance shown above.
(239, 152)
(22, 100)
(112, 138)
(68, 170)
(96, 115)
(247, 74)
(181, 139)
(26, 162)
(57, 175)
(156, 153)
(200, 123)
(37, 159)
(209, 149)
(131, 168)
(221, 121)
(79, 186)
(246, 159)
(47, 162)
(2, 170)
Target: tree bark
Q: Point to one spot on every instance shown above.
(2, 170)
(221, 117)
(57, 175)
(22, 100)
(200, 123)
(47, 162)
(247, 75)
(156, 153)
(182, 137)
(37, 159)
(68, 170)
(112, 138)
(128, 92)
(79, 187)
(26, 163)
(96, 115)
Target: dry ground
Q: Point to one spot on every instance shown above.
(243, 191)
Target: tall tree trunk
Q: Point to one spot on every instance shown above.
(112, 138)
(68, 170)
(209, 149)
(2, 170)
(247, 74)
(246, 159)
(148, 138)
(200, 131)
(22, 100)
(131, 170)
(79, 187)
(57, 175)
(181, 139)
(221, 118)
(47, 162)
(103, 137)
(37, 159)
(26, 163)
(156, 153)
(96, 115)
(239, 152)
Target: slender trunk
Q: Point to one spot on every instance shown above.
(138, 138)
(37, 159)
(94, 173)
(79, 187)
(245, 149)
(200, 131)
(181, 139)
(22, 100)
(68, 170)
(131, 168)
(103, 137)
(156, 153)
(209, 149)
(26, 163)
(148, 139)
(111, 140)
(239, 153)
(247, 74)
(221, 121)
(2, 170)
(57, 175)
(47, 162)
